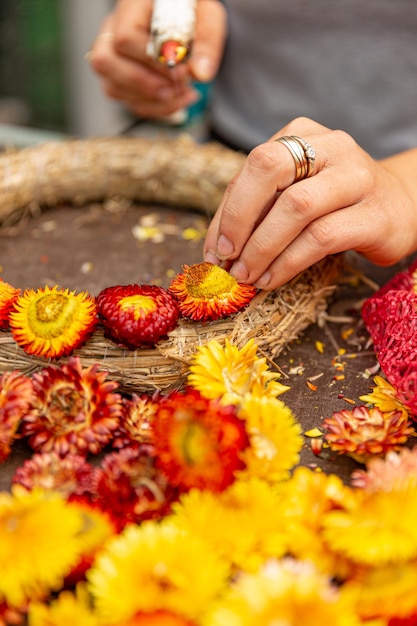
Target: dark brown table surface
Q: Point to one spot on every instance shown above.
(91, 248)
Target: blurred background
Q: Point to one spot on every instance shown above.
(47, 89)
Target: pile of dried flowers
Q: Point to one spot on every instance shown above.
(191, 508)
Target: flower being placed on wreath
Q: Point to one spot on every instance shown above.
(362, 432)
(16, 395)
(229, 373)
(74, 409)
(52, 322)
(137, 315)
(207, 292)
(8, 296)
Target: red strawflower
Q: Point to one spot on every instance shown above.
(74, 410)
(207, 292)
(8, 296)
(130, 489)
(12, 616)
(16, 394)
(198, 442)
(72, 476)
(137, 315)
(403, 621)
(136, 424)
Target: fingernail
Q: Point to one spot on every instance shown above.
(224, 247)
(203, 69)
(210, 257)
(239, 271)
(263, 281)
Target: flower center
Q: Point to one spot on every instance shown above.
(67, 410)
(140, 304)
(51, 314)
(194, 443)
(205, 280)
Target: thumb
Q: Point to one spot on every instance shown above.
(209, 40)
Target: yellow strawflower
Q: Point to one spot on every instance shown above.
(38, 543)
(229, 373)
(242, 524)
(384, 397)
(275, 438)
(152, 567)
(284, 593)
(66, 610)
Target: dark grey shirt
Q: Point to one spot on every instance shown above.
(349, 64)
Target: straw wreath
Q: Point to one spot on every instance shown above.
(171, 171)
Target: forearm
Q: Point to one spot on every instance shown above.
(404, 167)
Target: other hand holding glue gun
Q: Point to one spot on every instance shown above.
(135, 71)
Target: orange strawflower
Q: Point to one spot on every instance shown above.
(16, 393)
(362, 432)
(207, 292)
(52, 322)
(74, 410)
(8, 296)
(136, 425)
(198, 442)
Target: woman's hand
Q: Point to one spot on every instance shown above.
(268, 228)
(145, 86)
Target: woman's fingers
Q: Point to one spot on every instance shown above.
(330, 234)
(210, 37)
(268, 228)
(267, 207)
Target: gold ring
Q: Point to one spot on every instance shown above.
(303, 154)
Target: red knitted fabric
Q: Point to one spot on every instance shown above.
(390, 316)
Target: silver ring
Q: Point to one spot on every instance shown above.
(303, 154)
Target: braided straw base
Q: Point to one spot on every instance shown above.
(180, 173)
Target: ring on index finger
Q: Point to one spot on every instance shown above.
(303, 154)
